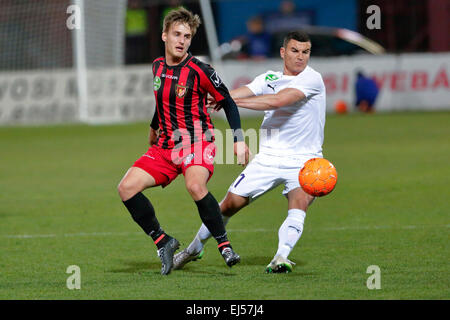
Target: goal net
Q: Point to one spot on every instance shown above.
(63, 61)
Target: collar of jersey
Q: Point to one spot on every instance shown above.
(181, 64)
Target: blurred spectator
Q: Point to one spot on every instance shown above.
(288, 18)
(136, 33)
(258, 41)
(366, 93)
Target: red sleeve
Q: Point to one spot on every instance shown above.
(155, 62)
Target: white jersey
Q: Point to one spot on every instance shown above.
(295, 130)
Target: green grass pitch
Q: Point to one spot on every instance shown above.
(59, 207)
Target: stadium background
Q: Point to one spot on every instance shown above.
(74, 111)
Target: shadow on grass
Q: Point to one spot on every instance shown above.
(135, 266)
(264, 261)
(260, 262)
(207, 271)
(155, 267)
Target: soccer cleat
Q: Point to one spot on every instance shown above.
(166, 255)
(279, 265)
(183, 257)
(230, 257)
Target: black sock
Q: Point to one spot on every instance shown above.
(209, 211)
(143, 213)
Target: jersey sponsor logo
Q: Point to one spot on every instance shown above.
(169, 76)
(156, 83)
(188, 159)
(216, 79)
(180, 90)
(271, 77)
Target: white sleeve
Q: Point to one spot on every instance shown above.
(310, 83)
(257, 85)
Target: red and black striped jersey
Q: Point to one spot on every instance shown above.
(181, 96)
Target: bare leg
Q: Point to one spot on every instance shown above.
(134, 181)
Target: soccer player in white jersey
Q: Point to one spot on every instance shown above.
(294, 105)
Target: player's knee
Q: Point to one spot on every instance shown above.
(196, 190)
(126, 189)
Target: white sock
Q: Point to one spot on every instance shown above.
(202, 237)
(290, 231)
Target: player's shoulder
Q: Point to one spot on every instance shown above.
(199, 62)
(311, 72)
(200, 65)
(311, 75)
(269, 76)
(194, 61)
(156, 63)
(158, 60)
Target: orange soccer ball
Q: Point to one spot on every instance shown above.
(318, 177)
(340, 107)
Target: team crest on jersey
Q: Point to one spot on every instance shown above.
(180, 90)
(156, 83)
(271, 77)
(188, 159)
(216, 79)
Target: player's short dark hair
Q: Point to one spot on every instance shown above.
(184, 16)
(298, 35)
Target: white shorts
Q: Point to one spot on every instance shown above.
(266, 172)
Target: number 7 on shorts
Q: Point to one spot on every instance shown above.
(242, 176)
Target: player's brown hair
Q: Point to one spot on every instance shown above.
(296, 35)
(182, 15)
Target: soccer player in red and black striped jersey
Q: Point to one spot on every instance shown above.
(182, 139)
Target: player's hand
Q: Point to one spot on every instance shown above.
(242, 153)
(153, 136)
(212, 104)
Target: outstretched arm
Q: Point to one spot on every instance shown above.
(241, 92)
(285, 97)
